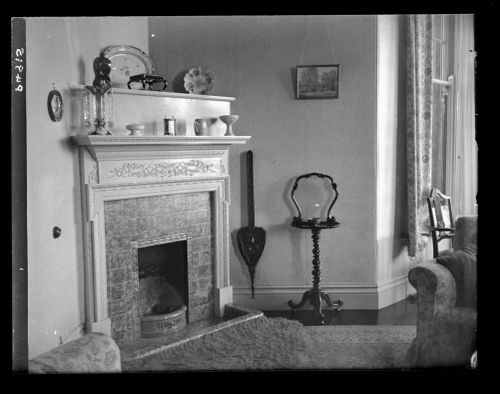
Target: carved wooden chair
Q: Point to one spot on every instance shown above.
(441, 218)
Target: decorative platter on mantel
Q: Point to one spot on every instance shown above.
(127, 60)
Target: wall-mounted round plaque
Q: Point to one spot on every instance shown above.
(55, 105)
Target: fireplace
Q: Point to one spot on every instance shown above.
(143, 194)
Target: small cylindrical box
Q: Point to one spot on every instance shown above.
(169, 122)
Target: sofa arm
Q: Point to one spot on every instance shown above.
(94, 352)
(436, 289)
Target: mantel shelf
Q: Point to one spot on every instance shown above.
(95, 140)
(153, 93)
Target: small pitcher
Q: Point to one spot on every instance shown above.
(200, 127)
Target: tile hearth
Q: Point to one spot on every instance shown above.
(147, 346)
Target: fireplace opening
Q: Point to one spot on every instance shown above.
(163, 290)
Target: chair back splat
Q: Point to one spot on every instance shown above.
(441, 218)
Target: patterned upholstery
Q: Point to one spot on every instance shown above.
(93, 353)
(466, 234)
(446, 329)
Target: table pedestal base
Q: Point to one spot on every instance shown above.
(315, 296)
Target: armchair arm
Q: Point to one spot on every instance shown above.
(436, 291)
(94, 352)
(465, 237)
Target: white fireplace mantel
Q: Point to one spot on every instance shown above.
(100, 147)
(177, 140)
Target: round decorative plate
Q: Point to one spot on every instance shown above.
(126, 61)
(198, 80)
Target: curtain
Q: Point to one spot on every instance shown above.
(418, 129)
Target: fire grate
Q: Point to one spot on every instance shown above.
(159, 325)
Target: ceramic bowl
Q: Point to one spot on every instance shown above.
(135, 128)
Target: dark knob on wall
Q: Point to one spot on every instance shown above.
(56, 232)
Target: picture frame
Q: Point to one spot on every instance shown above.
(318, 81)
(55, 105)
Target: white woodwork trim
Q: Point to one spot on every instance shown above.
(98, 194)
(355, 296)
(166, 141)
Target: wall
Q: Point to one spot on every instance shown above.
(253, 58)
(60, 50)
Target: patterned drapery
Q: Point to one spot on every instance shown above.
(418, 132)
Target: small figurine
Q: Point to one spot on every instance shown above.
(102, 68)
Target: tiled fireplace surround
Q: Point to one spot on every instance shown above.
(141, 222)
(144, 191)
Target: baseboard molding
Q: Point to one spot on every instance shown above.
(393, 291)
(354, 296)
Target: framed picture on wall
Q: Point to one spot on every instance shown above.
(318, 81)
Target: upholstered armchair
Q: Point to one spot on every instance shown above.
(93, 353)
(447, 302)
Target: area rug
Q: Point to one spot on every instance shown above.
(281, 344)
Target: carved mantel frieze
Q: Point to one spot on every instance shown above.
(111, 159)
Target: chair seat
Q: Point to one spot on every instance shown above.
(442, 229)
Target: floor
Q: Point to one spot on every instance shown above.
(402, 313)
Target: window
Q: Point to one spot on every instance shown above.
(454, 152)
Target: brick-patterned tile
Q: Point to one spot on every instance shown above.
(121, 259)
(204, 284)
(130, 207)
(113, 210)
(142, 226)
(118, 291)
(191, 218)
(203, 202)
(179, 219)
(180, 203)
(203, 272)
(202, 216)
(202, 298)
(155, 205)
(120, 227)
(142, 207)
(119, 323)
(119, 244)
(199, 313)
(168, 204)
(201, 244)
(199, 230)
(117, 307)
